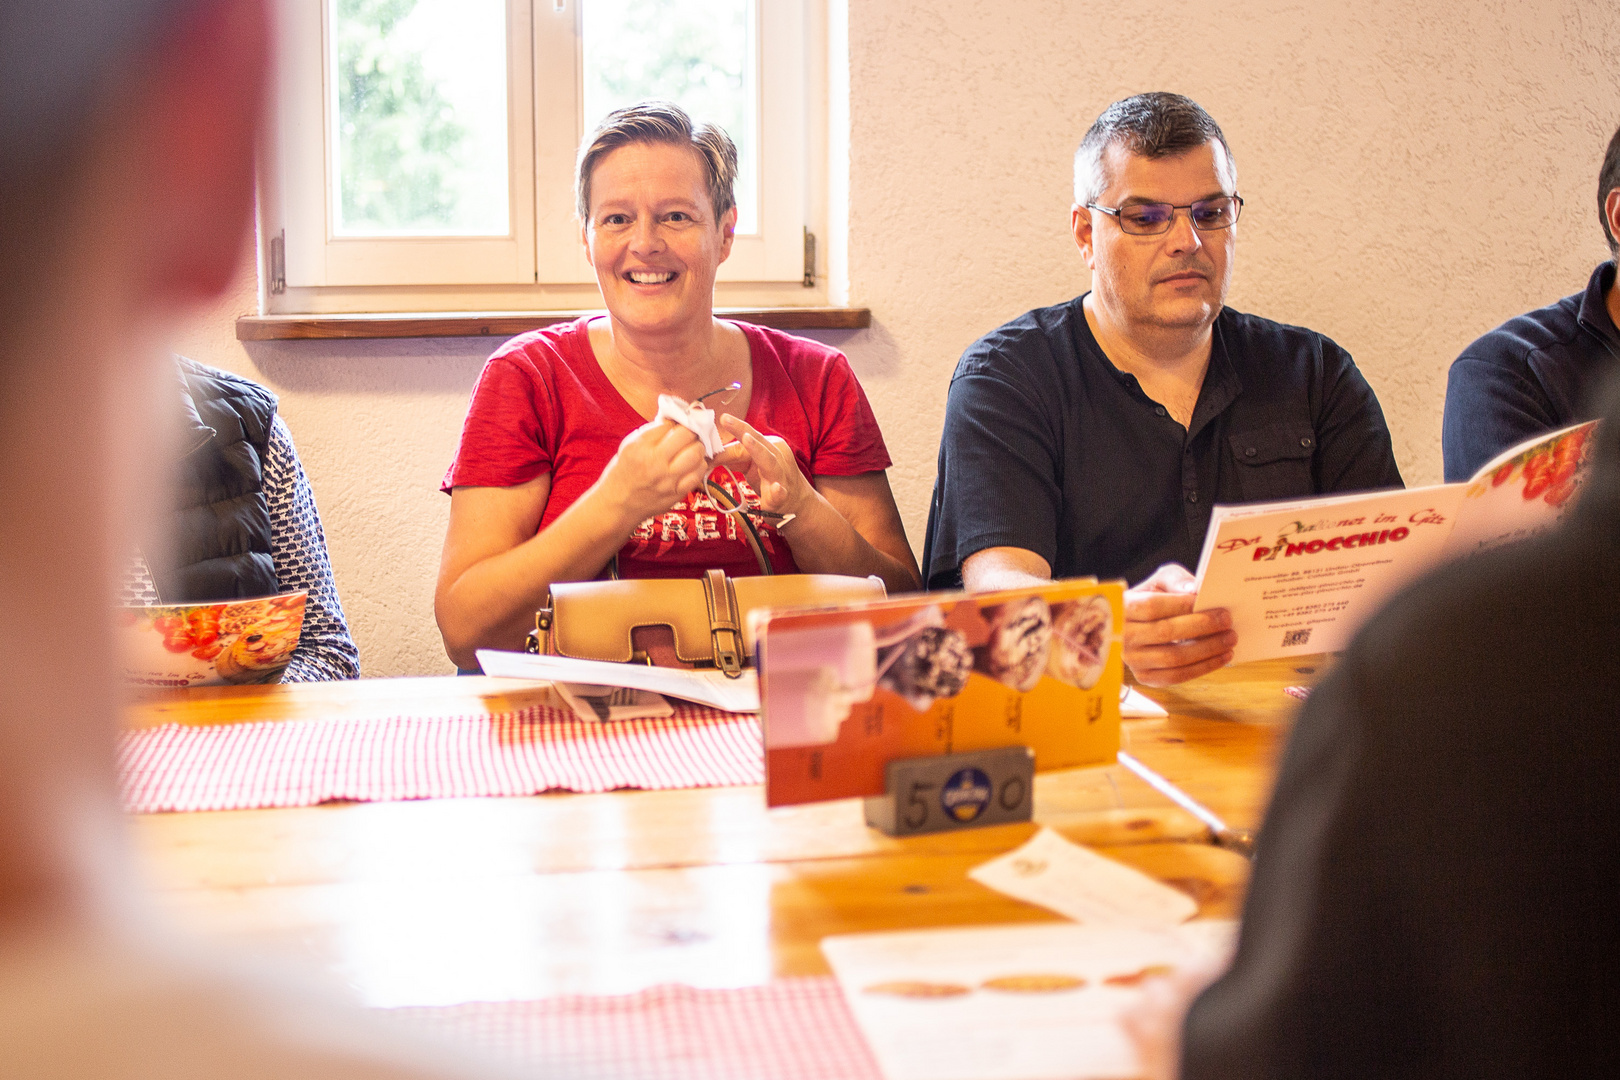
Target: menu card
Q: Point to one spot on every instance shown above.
(845, 690)
(233, 641)
(1302, 576)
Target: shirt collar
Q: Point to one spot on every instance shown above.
(1594, 313)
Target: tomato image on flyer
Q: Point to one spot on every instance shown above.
(1524, 491)
(234, 641)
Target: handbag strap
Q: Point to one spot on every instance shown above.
(725, 630)
(739, 513)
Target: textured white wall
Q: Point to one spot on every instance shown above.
(1414, 173)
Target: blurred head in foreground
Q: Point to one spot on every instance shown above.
(127, 142)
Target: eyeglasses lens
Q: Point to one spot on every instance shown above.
(1151, 219)
(1214, 213)
(1146, 219)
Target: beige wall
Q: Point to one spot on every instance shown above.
(1415, 173)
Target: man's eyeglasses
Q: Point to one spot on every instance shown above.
(1154, 218)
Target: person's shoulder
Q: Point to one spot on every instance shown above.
(1512, 344)
(1269, 339)
(544, 349)
(1031, 341)
(218, 383)
(796, 355)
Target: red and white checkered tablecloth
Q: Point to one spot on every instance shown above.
(792, 1029)
(301, 763)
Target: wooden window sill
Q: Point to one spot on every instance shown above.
(508, 323)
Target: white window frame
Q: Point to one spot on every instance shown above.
(545, 88)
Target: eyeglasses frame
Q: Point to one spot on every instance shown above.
(1114, 211)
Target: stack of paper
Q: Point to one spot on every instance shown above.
(704, 687)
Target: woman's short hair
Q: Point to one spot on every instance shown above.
(659, 122)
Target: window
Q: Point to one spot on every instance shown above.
(425, 148)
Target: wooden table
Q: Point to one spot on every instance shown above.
(443, 901)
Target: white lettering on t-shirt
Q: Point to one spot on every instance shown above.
(643, 531)
(706, 526)
(674, 527)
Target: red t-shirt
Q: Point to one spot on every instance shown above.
(543, 404)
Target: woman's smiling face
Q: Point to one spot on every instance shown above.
(653, 238)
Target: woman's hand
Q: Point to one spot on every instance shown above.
(655, 467)
(841, 524)
(769, 464)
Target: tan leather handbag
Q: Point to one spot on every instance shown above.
(678, 622)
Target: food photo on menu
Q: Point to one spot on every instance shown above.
(210, 644)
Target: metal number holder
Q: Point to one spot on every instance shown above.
(954, 791)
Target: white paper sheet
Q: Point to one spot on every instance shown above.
(1024, 1002)
(704, 687)
(1087, 887)
(1133, 704)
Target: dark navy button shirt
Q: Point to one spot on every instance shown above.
(1535, 373)
(1051, 448)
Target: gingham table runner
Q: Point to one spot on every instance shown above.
(300, 763)
(792, 1029)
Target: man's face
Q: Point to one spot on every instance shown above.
(1177, 279)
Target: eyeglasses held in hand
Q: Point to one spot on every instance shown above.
(729, 392)
(1155, 218)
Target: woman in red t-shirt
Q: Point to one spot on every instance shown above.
(562, 466)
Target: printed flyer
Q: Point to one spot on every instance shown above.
(1301, 577)
(843, 691)
(234, 641)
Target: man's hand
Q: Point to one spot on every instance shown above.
(1154, 1023)
(1165, 642)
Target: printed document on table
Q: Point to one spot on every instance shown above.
(1035, 1001)
(1087, 887)
(704, 687)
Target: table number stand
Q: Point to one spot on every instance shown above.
(954, 791)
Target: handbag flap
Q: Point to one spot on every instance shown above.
(593, 620)
(799, 590)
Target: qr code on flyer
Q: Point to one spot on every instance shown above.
(1296, 637)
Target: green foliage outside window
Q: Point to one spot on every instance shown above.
(398, 134)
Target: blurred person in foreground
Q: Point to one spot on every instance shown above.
(1433, 891)
(565, 467)
(1539, 371)
(127, 138)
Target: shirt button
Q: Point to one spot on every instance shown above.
(1161, 410)
(1192, 496)
(1250, 452)
(1307, 442)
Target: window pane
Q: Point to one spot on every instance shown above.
(696, 53)
(419, 134)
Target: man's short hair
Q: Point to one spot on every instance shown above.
(659, 122)
(1154, 125)
(1608, 180)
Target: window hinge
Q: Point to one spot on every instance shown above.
(278, 262)
(809, 258)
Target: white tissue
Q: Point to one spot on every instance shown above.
(697, 418)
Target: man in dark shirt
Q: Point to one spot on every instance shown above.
(1537, 372)
(1095, 437)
